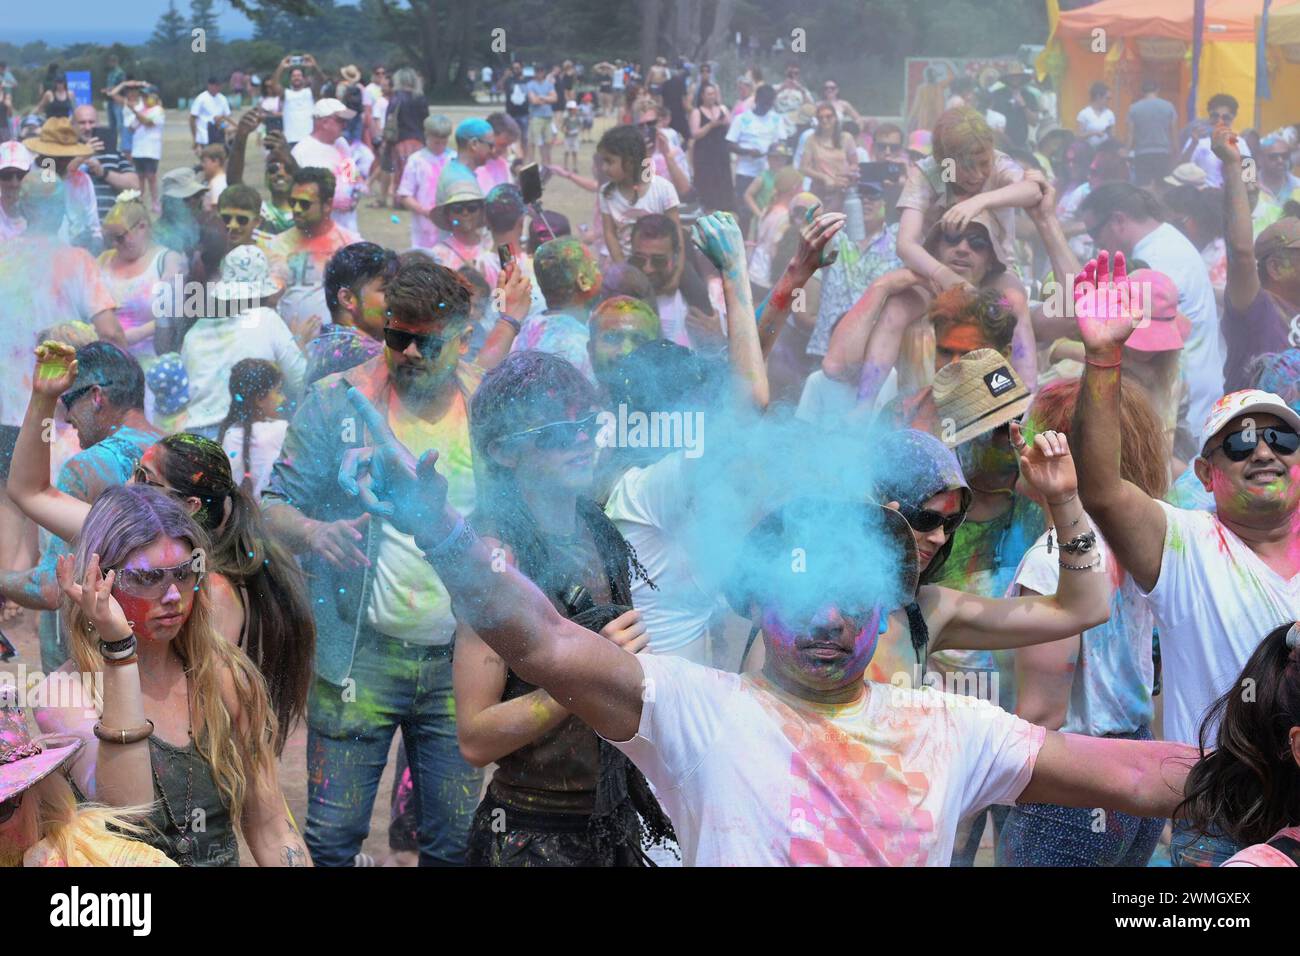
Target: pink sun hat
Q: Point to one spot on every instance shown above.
(24, 762)
(1165, 329)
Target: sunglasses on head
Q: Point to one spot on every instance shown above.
(1238, 446)
(430, 346)
(923, 520)
(156, 582)
(240, 219)
(556, 436)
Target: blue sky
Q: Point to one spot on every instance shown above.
(130, 20)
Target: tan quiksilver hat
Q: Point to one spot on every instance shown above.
(976, 394)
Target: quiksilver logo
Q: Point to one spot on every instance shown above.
(999, 381)
(103, 909)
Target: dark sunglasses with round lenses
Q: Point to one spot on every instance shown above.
(468, 208)
(556, 436)
(1238, 446)
(976, 239)
(240, 219)
(430, 346)
(923, 520)
(301, 205)
(659, 260)
(154, 583)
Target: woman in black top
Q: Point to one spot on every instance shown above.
(560, 796)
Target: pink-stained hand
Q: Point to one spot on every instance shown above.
(1107, 305)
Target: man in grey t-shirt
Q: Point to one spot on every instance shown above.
(1151, 123)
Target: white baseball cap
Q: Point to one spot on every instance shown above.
(331, 107)
(1235, 404)
(14, 155)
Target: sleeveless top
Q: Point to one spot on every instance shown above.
(58, 107)
(208, 838)
(134, 297)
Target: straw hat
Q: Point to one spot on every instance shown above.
(976, 394)
(453, 189)
(57, 138)
(350, 73)
(23, 764)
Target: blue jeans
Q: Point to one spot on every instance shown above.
(1044, 834)
(350, 731)
(1189, 848)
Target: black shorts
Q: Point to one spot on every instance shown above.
(145, 165)
(8, 438)
(607, 87)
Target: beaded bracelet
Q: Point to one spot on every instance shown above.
(1081, 567)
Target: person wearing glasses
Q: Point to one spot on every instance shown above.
(299, 255)
(384, 621)
(568, 798)
(1220, 110)
(844, 110)
(134, 266)
(104, 404)
(185, 723)
(459, 213)
(1215, 581)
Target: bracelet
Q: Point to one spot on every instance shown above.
(121, 661)
(511, 321)
(462, 536)
(1081, 567)
(118, 648)
(1080, 543)
(1066, 501)
(132, 735)
(1102, 364)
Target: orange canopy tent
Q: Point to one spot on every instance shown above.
(1124, 44)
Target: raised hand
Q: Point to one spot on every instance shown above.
(959, 215)
(56, 368)
(390, 483)
(1047, 464)
(515, 291)
(94, 595)
(1046, 204)
(718, 236)
(814, 239)
(1223, 142)
(1107, 305)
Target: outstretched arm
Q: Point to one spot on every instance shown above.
(848, 345)
(718, 237)
(584, 672)
(817, 234)
(1243, 274)
(1132, 523)
(1141, 777)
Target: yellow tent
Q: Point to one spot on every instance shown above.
(1125, 44)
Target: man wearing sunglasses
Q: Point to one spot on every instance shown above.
(299, 255)
(1262, 296)
(1217, 582)
(1221, 110)
(656, 251)
(104, 403)
(383, 618)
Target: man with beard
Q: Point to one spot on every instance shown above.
(885, 324)
(657, 251)
(384, 619)
(298, 256)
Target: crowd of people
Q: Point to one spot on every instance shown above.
(841, 492)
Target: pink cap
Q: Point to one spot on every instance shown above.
(920, 142)
(1165, 329)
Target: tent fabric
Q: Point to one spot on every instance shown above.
(1284, 25)
(1225, 20)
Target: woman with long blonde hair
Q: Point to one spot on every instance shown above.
(134, 267)
(183, 720)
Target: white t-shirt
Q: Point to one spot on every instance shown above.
(659, 196)
(751, 131)
(753, 777)
(146, 141)
(1214, 601)
(213, 346)
(263, 450)
(1167, 250)
(1094, 125)
(1203, 156)
(337, 158)
(649, 508)
(672, 318)
(1111, 692)
(205, 109)
(826, 402)
(297, 113)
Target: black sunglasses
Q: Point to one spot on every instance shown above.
(430, 346)
(658, 260)
(923, 520)
(1238, 447)
(556, 436)
(301, 204)
(977, 241)
(465, 208)
(242, 220)
(73, 395)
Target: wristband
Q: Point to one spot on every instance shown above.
(1101, 364)
(131, 735)
(462, 535)
(118, 648)
(121, 661)
(511, 321)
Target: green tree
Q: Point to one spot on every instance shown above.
(203, 16)
(170, 32)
